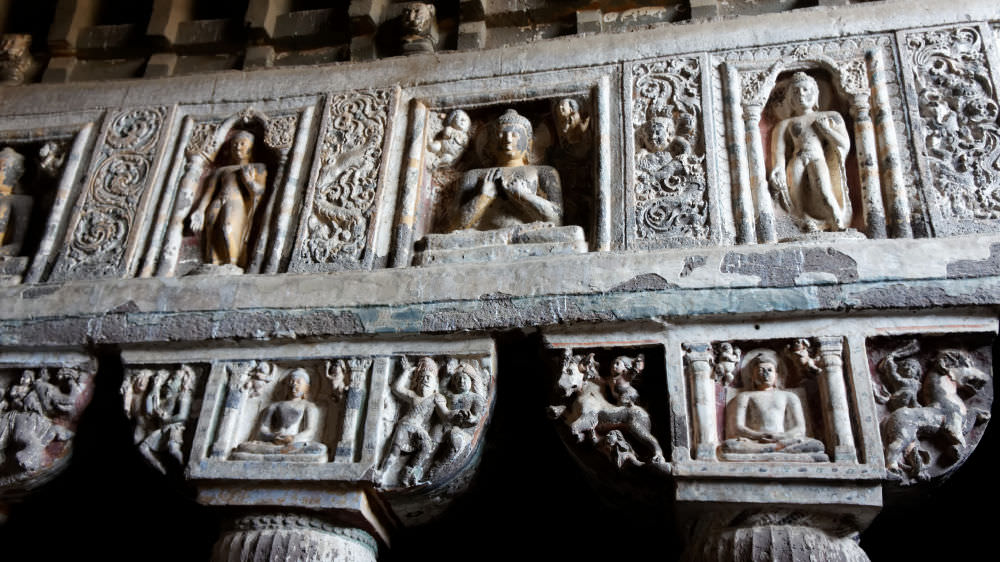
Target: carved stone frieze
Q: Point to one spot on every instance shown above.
(670, 196)
(39, 410)
(160, 402)
(442, 405)
(338, 215)
(857, 80)
(101, 240)
(934, 397)
(230, 209)
(959, 119)
(602, 409)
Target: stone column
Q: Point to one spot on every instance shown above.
(699, 360)
(742, 197)
(833, 392)
(766, 232)
(871, 191)
(888, 150)
(290, 536)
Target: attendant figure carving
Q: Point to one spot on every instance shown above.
(164, 412)
(417, 390)
(28, 417)
(451, 142)
(288, 430)
(812, 183)
(464, 407)
(767, 420)
(228, 208)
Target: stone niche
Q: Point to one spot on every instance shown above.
(506, 175)
(39, 174)
(228, 202)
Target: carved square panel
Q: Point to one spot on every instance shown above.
(469, 195)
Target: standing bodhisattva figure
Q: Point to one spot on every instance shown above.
(812, 184)
(227, 208)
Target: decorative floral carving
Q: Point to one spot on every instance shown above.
(959, 116)
(344, 199)
(201, 138)
(280, 131)
(135, 130)
(159, 404)
(671, 193)
(111, 201)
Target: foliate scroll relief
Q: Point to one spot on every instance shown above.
(337, 219)
(605, 411)
(110, 203)
(959, 116)
(934, 400)
(670, 186)
(159, 403)
(291, 413)
(39, 410)
(442, 405)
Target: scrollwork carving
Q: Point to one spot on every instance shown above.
(280, 131)
(98, 241)
(343, 202)
(670, 189)
(959, 115)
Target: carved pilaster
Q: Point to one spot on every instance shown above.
(699, 358)
(833, 394)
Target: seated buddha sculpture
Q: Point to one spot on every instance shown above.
(287, 429)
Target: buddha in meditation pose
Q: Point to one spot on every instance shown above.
(289, 427)
(812, 184)
(767, 419)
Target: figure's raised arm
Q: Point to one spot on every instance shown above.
(831, 125)
(547, 208)
(401, 388)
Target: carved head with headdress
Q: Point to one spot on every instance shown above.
(802, 93)
(514, 134)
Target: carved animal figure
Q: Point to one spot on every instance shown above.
(590, 412)
(943, 413)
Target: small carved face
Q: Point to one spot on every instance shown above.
(11, 169)
(459, 119)
(765, 375)
(568, 108)
(803, 95)
(659, 132)
(242, 146)
(620, 366)
(425, 382)
(909, 368)
(462, 383)
(298, 385)
(417, 17)
(513, 142)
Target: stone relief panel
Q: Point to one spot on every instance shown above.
(611, 408)
(933, 397)
(37, 173)
(487, 180)
(956, 106)
(160, 400)
(40, 405)
(436, 416)
(668, 200)
(337, 226)
(289, 412)
(105, 233)
(772, 401)
(811, 135)
(234, 184)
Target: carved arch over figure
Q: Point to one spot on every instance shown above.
(281, 138)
